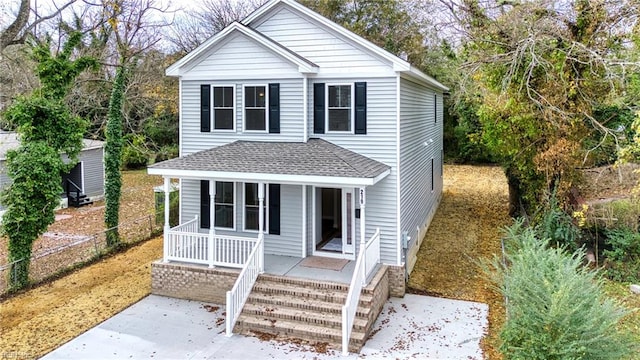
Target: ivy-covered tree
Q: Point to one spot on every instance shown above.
(113, 158)
(46, 128)
(134, 31)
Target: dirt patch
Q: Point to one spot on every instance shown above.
(40, 320)
(465, 231)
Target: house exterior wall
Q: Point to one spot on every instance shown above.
(240, 58)
(288, 243)
(420, 141)
(379, 144)
(333, 54)
(291, 124)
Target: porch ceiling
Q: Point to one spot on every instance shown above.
(317, 162)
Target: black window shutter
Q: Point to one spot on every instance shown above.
(205, 205)
(435, 108)
(318, 108)
(205, 108)
(274, 209)
(361, 108)
(274, 108)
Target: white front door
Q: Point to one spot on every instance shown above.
(334, 234)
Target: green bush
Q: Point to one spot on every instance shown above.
(623, 213)
(135, 154)
(623, 255)
(555, 224)
(556, 308)
(166, 152)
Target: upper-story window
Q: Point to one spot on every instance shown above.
(255, 108)
(339, 108)
(223, 108)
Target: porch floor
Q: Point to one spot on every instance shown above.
(292, 266)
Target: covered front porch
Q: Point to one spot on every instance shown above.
(261, 204)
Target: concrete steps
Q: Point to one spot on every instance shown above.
(308, 310)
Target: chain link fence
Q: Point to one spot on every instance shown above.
(79, 249)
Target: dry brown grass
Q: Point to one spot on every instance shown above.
(464, 232)
(40, 320)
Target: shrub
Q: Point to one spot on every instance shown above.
(166, 152)
(623, 213)
(623, 255)
(555, 224)
(135, 155)
(556, 308)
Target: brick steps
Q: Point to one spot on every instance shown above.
(309, 310)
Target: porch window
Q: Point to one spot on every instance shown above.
(223, 100)
(224, 204)
(252, 207)
(255, 110)
(339, 108)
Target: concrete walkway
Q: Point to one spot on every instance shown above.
(414, 327)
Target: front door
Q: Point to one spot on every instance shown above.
(335, 229)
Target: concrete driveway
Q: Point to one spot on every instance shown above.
(414, 327)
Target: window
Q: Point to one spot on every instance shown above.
(224, 204)
(223, 100)
(252, 207)
(255, 114)
(339, 108)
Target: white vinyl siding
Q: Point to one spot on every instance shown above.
(291, 124)
(379, 144)
(420, 150)
(239, 57)
(328, 50)
(288, 243)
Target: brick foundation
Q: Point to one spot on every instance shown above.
(192, 282)
(397, 284)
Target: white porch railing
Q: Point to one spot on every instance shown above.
(238, 295)
(185, 243)
(365, 263)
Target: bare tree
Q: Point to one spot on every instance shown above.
(16, 32)
(192, 27)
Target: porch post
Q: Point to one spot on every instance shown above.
(261, 222)
(212, 221)
(167, 208)
(363, 241)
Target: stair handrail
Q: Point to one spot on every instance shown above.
(237, 296)
(358, 281)
(78, 188)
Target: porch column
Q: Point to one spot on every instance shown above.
(212, 221)
(261, 222)
(363, 241)
(167, 227)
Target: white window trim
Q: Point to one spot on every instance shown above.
(213, 108)
(266, 109)
(234, 207)
(326, 108)
(244, 208)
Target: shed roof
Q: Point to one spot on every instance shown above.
(9, 141)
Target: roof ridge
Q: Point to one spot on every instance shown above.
(335, 150)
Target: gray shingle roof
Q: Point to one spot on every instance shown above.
(316, 157)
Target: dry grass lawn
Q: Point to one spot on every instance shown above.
(465, 231)
(40, 320)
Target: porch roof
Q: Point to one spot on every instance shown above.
(317, 162)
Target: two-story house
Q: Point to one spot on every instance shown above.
(309, 157)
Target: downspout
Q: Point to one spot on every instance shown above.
(305, 108)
